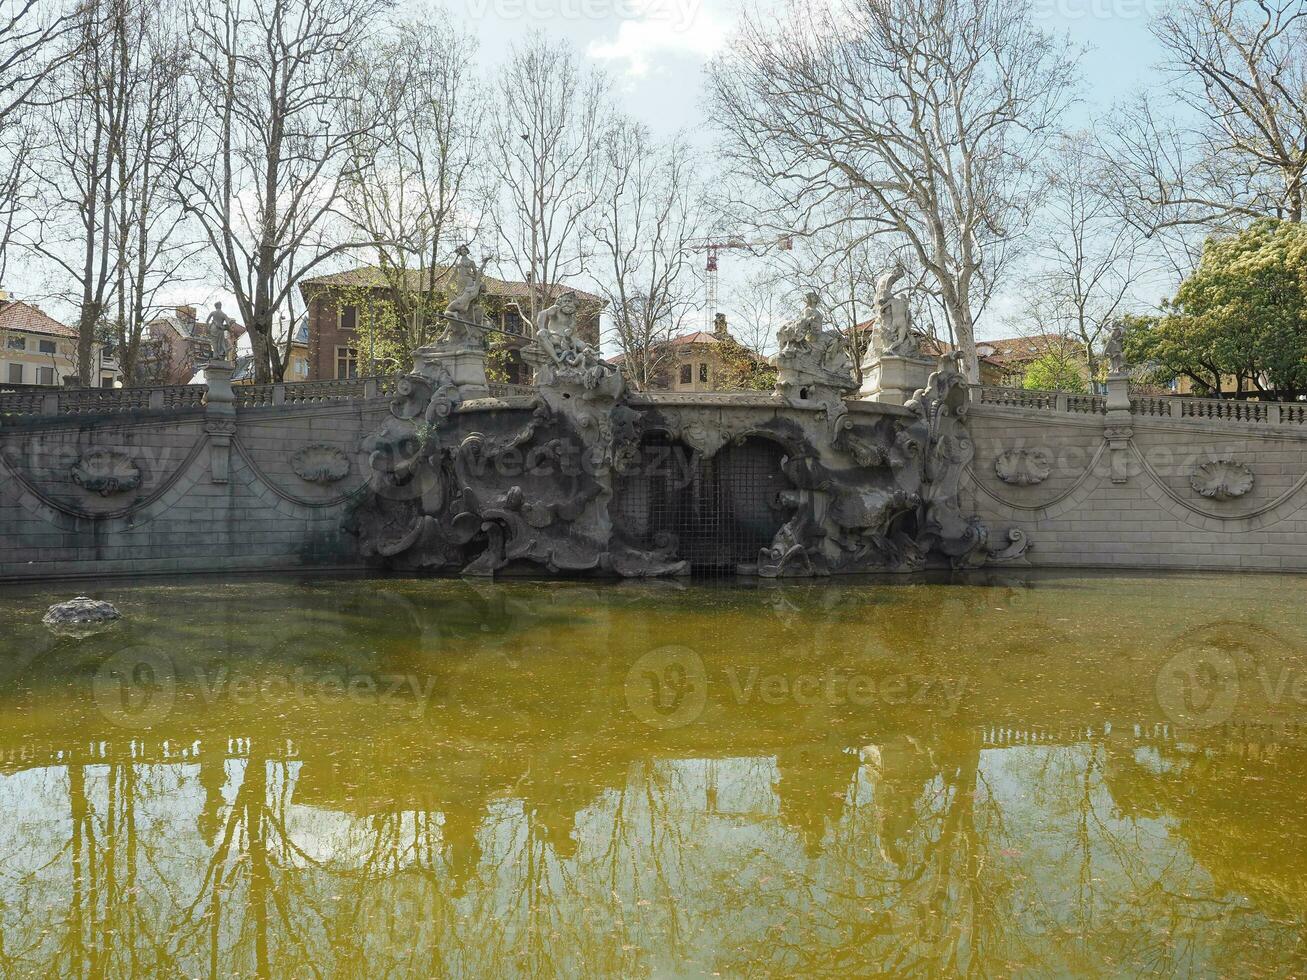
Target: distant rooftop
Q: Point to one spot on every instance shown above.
(374, 277)
(28, 318)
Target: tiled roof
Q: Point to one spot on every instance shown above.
(696, 337)
(1005, 350)
(19, 316)
(372, 277)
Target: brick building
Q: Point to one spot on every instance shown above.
(333, 316)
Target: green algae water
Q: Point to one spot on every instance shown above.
(1025, 775)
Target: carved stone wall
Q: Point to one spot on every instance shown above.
(159, 493)
(1158, 515)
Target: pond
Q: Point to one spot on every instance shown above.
(1031, 774)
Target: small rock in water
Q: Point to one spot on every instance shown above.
(82, 611)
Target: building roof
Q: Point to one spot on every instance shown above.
(26, 318)
(1000, 352)
(373, 277)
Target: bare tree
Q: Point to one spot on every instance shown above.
(1087, 260)
(149, 238)
(916, 119)
(269, 134)
(647, 213)
(545, 151)
(34, 42)
(416, 182)
(1235, 146)
(105, 216)
(77, 172)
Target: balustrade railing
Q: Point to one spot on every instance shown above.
(46, 401)
(1150, 406)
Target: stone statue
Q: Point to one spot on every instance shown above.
(803, 331)
(218, 325)
(813, 364)
(894, 333)
(1115, 349)
(464, 314)
(562, 356)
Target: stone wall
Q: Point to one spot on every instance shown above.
(153, 481)
(123, 489)
(1167, 483)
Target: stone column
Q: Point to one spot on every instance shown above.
(893, 379)
(219, 417)
(1117, 427)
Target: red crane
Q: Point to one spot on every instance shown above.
(713, 249)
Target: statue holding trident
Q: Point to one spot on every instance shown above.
(218, 325)
(464, 316)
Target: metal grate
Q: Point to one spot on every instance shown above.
(720, 511)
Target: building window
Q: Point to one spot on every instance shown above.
(45, 375)
(349, 317)
(687, 374)
(46, 346)
(703, 373)
(15, 374)
(512, 321)
(301, 369)
(106, 381)
(347, 362)
(16, 343)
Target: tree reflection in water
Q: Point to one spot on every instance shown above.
(532, 823)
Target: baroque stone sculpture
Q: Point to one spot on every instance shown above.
(465, 320)
(218, 325)
(320, 463)
(1023, 467)
(1222, 479)
(812, 364)
(575, 480)
(106, 472)
(1115, 349)
(894, 335)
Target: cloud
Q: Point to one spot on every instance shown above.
(662, 28)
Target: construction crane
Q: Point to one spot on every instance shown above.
(713, 247)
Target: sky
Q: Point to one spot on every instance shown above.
(656, 52)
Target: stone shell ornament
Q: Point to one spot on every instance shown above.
(1222, 479)
(1023, 467)
(106, 472)
(320, 464)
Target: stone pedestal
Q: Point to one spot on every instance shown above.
(1117, 428)
(892, 379)
(465, 364)
(219, 417)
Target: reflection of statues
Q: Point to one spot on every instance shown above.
(893, 325)
(1115, 349)
(218, 325)
(464, 314)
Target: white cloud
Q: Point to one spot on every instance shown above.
(662, 28)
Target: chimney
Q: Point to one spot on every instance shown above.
(719, 325)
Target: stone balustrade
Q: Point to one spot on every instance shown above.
(101, 401)
(1149, 406)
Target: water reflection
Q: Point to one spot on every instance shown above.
(826, 808)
